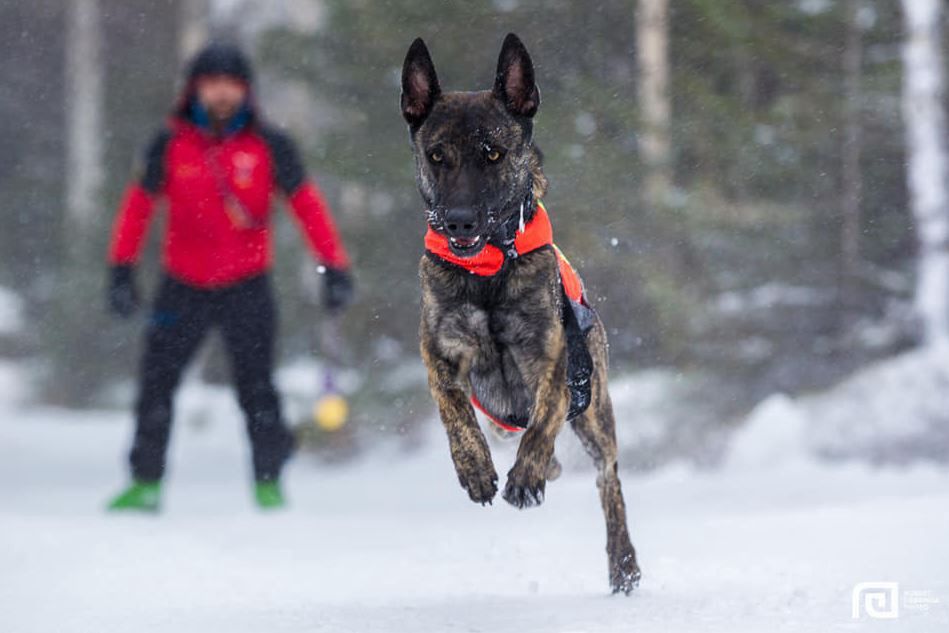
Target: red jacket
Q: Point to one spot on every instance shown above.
(219, 192)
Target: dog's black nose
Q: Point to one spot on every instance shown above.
(461, 222)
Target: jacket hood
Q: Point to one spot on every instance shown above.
(215, 59)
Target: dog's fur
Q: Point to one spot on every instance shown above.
(501, 337)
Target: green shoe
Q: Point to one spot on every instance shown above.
(141, 496)
(268, 495)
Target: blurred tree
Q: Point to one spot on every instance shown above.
(652, 39)
(84, 109)
(193, 28)
(32, 126)
(851, 177)
(83, 347)
(928, 169)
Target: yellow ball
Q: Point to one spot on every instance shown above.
(330, 412)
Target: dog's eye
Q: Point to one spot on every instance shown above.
(492, 155)
(436, 156)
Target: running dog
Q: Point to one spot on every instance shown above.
(506, 327)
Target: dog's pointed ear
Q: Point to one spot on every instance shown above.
(514, 82)
(419, 84)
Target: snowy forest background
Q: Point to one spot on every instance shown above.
(730, 177)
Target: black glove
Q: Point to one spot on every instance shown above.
(337, 289)
(123, 296)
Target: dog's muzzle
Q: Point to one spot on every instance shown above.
(462, 227)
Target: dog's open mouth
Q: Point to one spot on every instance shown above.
(466, 246)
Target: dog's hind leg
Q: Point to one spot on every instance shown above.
(596, 428)
(596, 431)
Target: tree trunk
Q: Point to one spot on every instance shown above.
(852, 181)
(193, 27)
(925, 121)
(84, 106)
(652, 48)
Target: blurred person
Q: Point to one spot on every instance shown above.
(218, 166)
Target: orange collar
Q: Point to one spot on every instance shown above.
(538, 233)
(488, 262)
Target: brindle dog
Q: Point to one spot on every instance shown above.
(503, 337)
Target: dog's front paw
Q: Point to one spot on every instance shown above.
(624, 573)
(525, 487)
(480, 480)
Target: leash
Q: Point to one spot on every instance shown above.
(331, 410)
(239, 215)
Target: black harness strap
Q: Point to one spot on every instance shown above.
(577, 320)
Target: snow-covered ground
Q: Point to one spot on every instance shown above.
(391, 543)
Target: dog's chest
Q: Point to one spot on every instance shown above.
(471, 331)
(468, 314)
(483, 338)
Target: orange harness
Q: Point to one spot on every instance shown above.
(536, 234)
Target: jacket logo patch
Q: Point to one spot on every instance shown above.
(188, 170)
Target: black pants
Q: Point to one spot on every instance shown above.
(181, 317)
